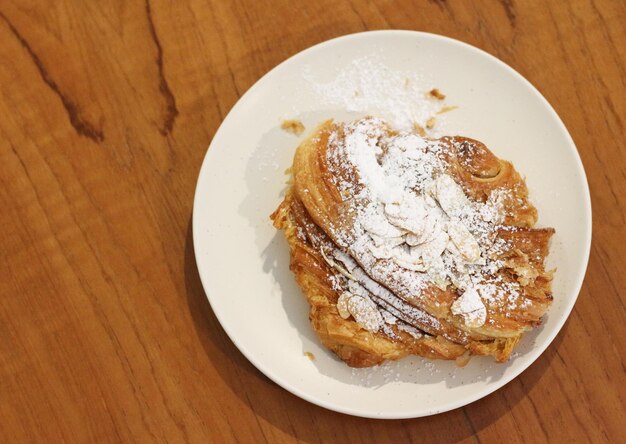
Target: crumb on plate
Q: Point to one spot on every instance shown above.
(293, 126)
(436, 94)
(446, 109)
(419, 129)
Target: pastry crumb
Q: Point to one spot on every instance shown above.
(293, 126)
(446, 109)
(436, 94)
(430, 123)
(419, 129)
(310, 355)
(462, 360)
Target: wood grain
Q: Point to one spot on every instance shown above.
(106, 110)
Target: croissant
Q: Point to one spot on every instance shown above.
(408, 245)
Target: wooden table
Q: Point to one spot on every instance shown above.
(106, 110)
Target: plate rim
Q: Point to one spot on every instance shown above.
(534, 353)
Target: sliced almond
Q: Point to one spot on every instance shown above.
(342, 304)
(365, 313)
(471, 307)
(464, 241)
(450, 195)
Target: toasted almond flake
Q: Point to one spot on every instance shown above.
(365, 313)
(471, 307)
(342, 304)
(464, 241)
(335, 265)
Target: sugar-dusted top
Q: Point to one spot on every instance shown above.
(412, 223)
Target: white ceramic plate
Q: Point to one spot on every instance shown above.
(244, 262)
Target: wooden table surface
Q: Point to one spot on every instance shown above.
(106, 110)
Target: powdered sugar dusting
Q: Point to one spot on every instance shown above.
(413, 225)
(360, 284)
(368, 85)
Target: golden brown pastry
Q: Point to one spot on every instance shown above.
(407, 245)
